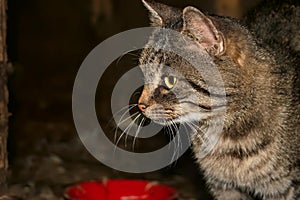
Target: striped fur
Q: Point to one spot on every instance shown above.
(257, 155)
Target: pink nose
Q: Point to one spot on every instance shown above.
(142, 106)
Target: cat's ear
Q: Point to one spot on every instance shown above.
(160, 13)
(203, 29)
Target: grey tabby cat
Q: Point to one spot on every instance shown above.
(257, 154)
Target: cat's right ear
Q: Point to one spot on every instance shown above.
(160, 13)
(204, 30)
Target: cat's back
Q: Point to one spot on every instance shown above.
(277, 24)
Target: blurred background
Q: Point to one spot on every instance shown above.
(47, 42)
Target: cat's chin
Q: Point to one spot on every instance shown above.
(189, 118)
(163, 122)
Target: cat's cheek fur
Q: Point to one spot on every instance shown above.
(190, 118)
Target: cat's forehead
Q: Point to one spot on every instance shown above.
(165, 45)
(158, 63)
(153, 71)
(167, 53)
(158, 51)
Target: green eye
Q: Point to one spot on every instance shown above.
(170, 81)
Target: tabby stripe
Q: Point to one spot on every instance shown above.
(282, 195)
(199, 88)
(199, 105)
(241, 154)
(205, 91)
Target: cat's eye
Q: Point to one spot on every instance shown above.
(170, 81)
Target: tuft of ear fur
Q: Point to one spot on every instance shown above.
(202, 28)
(160, 13)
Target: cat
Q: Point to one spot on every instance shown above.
(277, 22)
(257, 154)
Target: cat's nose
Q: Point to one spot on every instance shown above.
(142, 106)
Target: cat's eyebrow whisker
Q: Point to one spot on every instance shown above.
(124, 54)
(133, 55)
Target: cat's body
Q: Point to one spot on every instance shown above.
(258, 150)
(277, 23)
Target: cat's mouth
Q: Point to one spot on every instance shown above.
(169, 116)
(161, 115)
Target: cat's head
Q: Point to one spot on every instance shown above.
(174, 91)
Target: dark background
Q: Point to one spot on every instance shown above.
(47, 41)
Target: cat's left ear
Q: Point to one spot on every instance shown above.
(161, 13)
(203, 29)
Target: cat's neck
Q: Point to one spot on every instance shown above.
(257, 108)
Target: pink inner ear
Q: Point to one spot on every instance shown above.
(205, 33)
(203, 29)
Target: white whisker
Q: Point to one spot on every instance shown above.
(124, 54)
(127, 118)
(129, 107)
(121, 121)
(127, 129)
(187, 132)
(169, 132)
(131, 124)
(137, 132)
(176, 143)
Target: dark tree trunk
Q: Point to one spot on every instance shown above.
(3, 98)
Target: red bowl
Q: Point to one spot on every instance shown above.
(120, 190)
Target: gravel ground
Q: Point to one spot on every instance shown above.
(46, 175)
